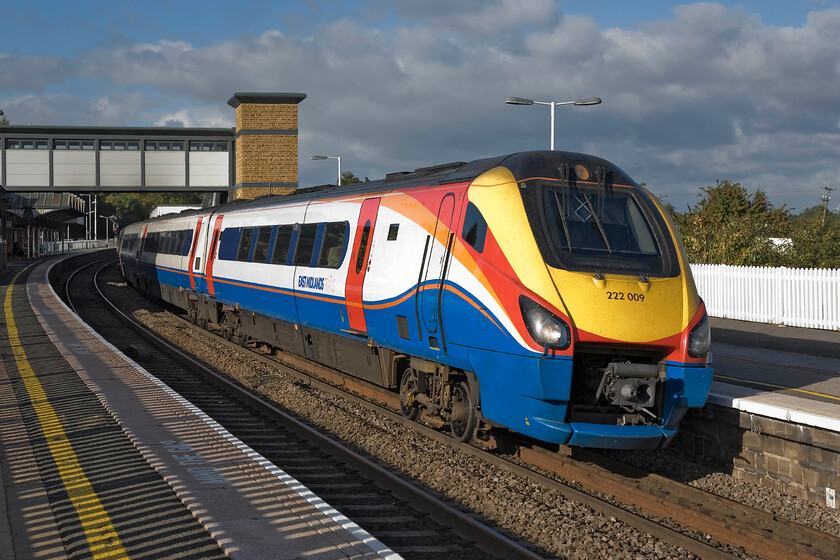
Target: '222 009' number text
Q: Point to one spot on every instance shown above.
(626, 296)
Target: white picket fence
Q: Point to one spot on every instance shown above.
(798, 297)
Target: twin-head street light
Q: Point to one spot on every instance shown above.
(553, 104)
(339, 165)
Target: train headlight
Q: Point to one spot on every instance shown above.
(545, 327)
(700, 339)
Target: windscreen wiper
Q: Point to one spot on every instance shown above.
(597, 219)
(562, 211)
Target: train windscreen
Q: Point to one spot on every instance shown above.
(604, 230)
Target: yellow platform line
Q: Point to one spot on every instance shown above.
(101, 535)
(774, 386)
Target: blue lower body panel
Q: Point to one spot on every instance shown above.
(531, 394)
(616, 437)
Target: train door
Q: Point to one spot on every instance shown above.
(194, 262)
(140, 243)
(211, 255)
(359, 264)
(143, 269)
(433, 275)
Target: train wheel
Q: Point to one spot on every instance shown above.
(408, 388)
(463, 419)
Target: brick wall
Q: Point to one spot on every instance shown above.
(266, 143)
(262, 159)
(266, 116)
(799, 460)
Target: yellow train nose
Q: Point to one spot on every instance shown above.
(629, 309)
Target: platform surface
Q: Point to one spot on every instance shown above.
(251, 508)
(787, 373)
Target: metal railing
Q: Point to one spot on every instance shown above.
(798, 297)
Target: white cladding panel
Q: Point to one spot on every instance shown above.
(27, 168)
(166, 169)
(275, 275)
(76, 168)
(210, 169)
(119, 169)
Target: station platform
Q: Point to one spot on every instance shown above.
(773, 414)
(99, 459)
(786, 373)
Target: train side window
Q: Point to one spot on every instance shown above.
(228, 244)
(305, 244)
(393, 230)
(282, 240)
(171, 239)
(171, 242)
(185, 248)
(475, 228)
(245, 244)
(151, 243)
(261, 247)
(360, 256)
(332, 248)
(161, 245)
(179, 242)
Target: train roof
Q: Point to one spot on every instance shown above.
(522, 164)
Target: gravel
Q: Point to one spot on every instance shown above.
(670, 463)
(515, 506)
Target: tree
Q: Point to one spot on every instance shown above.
(815, 245)
(347, 178)
(133, 207)
(731, 226)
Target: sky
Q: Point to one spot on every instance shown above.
(693, 92)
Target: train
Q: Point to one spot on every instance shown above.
(544, 293)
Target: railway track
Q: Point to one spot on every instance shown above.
(411, 522)
(676, 513)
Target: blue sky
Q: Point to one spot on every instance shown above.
(693, 92)
(58, 27)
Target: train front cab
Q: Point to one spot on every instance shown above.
(617, 336)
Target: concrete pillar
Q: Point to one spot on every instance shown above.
(266, 143)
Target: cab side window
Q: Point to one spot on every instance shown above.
(475, 228)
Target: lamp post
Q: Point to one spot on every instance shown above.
(331, 157)
(90, 216)
(553, 104)
(825, 199)
(87, 216)
(111, 218)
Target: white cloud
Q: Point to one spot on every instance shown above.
(710, 93)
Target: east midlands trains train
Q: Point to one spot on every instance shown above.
(541, 292)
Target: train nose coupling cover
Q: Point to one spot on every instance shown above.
(628, 384)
